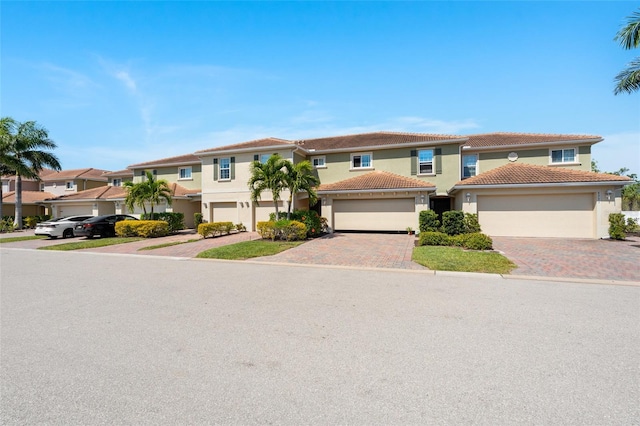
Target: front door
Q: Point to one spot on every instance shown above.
(440, 205)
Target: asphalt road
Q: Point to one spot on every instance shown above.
(110, 339)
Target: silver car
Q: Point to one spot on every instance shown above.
(61, 227)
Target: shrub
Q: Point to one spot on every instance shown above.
(197, 219)
(476, 241)
(6, 225)
(632, 225)
(215, 228)
(453, 222)
(430, 238)
(175, 220)
(471, 224)
(142, 228)
(428, 221)
(30, 221)
(283, 229)
(310, 218)
(267, 230)
(240, 227)
(616, 226)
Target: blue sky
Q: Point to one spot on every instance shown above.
(117, 83)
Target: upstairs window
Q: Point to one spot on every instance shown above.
(469, 165)
(425, 162)
(184, 173)
(264, 158)
(319, 162)
(560, 156)
(116, 182)
(361, 161)
(225, 169)
(69, 184)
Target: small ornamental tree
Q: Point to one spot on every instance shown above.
(617, 226)
(453, 222)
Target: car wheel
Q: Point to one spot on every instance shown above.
(68, 233)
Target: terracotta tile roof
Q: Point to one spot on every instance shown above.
(180, 159)
(181, 191)
(520, 173)
(123, 173)
(89, 173)
(376, 180)
(374, 139)
(506, 139)
(28, 197)
(116, 192)
(258, 143)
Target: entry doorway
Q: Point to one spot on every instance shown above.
(440, 205)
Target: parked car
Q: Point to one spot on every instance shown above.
(60, 227)
(104, 226)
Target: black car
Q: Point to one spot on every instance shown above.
(104, 226)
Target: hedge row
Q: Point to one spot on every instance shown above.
(289, 230)
(142, 228)
(454, 222)
(314, 224)
(175, 220)
(473, 241)
(215, 229)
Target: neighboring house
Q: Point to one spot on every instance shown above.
(109, 199)
(67, 181)
(381, 181)
(31, 195)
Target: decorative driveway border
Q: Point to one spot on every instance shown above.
(573, 258)
(360, 250)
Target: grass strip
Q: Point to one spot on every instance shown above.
(93, 243)
(175, 243)
(25, 238)
(248, 249)
(456, 259)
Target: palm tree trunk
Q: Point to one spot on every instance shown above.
(17, 222)
(289, 207)
(1, 215)
(275, 202)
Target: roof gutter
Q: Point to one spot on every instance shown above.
(360, 191)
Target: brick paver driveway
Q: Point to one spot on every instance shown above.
(573, 258)
(360, 250)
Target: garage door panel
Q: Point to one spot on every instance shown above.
(265, 208)
(374, 214)
(74, 210)
(225, 212)
(567, 216)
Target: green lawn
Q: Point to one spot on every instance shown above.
(175, 243)
(25, 238)
(456, 259)
(248, 249)
(99, 242)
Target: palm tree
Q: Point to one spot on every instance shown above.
(300, 178)
(21, 153)
(628, 80)
(267, 176)
(150, 191)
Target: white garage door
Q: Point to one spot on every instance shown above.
(262, 212)
(225, 212)
(65, 210)
(374, 215)
(566, 216)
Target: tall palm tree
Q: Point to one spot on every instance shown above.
(150, 191)
(268, 176)
(22, 152)
(628, 80)
(300, 178)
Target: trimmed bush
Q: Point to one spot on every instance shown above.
(215, 229)
(617, 226)
(453, 222)
(476, 241)
(310, 218)
(6, 225)
(428, 221)
(197, 219)
(283, 229)
(175, 220)
(434, 239)
(142, 228)
(632, 225)
(240, 227)
(471, 224)
(30, 222)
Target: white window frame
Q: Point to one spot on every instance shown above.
(360, 155)
(433, 162)
(41, 187)
(476, 166)
(562, 162)
(68, 185)
(187, 170)
(321, 160)
(116, 182)
(227, 169)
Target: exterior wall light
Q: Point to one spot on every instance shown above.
(468, 195)
(609, 193)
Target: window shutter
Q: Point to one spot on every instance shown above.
(215, 169)
(256, 157)
(414, 162)
(438, 159)
(233, 168)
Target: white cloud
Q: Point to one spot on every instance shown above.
(618, 150)
(126, 78)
